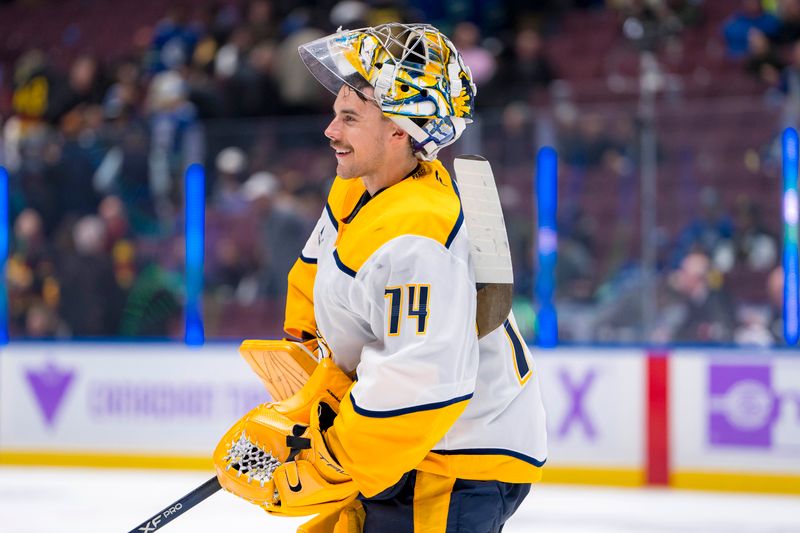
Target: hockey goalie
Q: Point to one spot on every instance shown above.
(409, 402)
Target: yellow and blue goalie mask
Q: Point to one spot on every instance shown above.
(415, 71)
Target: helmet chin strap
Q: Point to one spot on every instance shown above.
(429, 148)
(428, 152)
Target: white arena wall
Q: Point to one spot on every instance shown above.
(708, 419)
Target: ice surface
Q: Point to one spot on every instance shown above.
(60, 500)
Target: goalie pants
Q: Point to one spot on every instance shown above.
(423, 502)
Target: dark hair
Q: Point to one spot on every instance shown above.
(358, 83)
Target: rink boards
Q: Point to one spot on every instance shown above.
(710, 419)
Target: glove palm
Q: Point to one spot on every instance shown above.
(282, 464)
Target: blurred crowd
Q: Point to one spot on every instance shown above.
(766, 38)
(96, 150)
(96, 147)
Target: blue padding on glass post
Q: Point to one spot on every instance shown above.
(791, 303)
(195, 183)
(4, 245)
(547, 240)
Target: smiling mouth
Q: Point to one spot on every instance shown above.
(342, 153)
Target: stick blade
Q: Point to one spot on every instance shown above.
(488, 239)
(483, 216)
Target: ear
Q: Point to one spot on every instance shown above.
(399, 134)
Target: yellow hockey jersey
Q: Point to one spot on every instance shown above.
(388, 282)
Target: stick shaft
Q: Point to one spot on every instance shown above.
(167, 515)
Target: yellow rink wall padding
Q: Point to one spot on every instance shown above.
(619, 477)
(735, 482)
(105, 460)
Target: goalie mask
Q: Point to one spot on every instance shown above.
(419, 78)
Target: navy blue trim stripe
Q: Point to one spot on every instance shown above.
(494, 451)
(407, 410)
(344, 268)
(519, 353)
(333, 218)
(309, 260)
(459, 220)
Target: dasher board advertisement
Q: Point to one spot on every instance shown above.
(121, 398)
(595, 403)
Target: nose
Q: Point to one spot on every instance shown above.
(332, 131)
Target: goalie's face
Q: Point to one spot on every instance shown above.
(361, 136)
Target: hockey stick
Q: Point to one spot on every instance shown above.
(488, 241)
(167, 515)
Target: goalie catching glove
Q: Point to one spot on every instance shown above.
(276, 455)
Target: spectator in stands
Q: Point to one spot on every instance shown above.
(91, 300)
(37, 183)
(466, 38)
(300, 93)
(512, 141)
(30, 272)
(112, 212)
(85, 85)
(152, 307)
(737, 28)
(697, 307)
(176, 136)
(586, 142)
(522, 72)
(252, 90)
(261, 21)
(763, 61)
(576, 268)
(775, 284)
(231, 164)
(790, 76)
(350, 14)
(763, 325)
(35, 84)
(124, 95)
(689, 12)
(72, 166)
(42, 322)
(707, 231)
(752, 245)
(124, 171)
(231, 55)
(119, 242)
(174, 40)
(648, 22)
(789, 16)
(281, 231)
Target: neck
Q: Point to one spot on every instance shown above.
(390, 174)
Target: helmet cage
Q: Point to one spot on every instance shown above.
(418, 77)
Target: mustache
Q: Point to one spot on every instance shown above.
(340, 147)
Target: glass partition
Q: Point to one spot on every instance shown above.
(669, 219)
